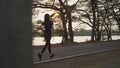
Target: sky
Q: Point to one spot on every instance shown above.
(41, 14)
(71, 2)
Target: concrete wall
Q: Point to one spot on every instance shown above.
(15, 34)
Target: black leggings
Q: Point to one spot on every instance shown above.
(47, 38)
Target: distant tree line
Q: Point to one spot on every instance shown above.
(83, 32)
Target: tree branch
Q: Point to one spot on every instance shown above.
(40, 5)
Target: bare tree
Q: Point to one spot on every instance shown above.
(100, 17)
(65, 11)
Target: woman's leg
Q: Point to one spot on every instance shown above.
(46, 45)
(44, 48)
(49, 48)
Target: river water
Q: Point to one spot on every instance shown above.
(40, 40)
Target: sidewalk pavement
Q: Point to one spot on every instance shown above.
(63, 52)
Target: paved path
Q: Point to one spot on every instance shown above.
(63, 52)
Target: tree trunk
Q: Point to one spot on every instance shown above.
(70, 26)
(65, 34)
(110, 24)
(98, 25)
(94, 20)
